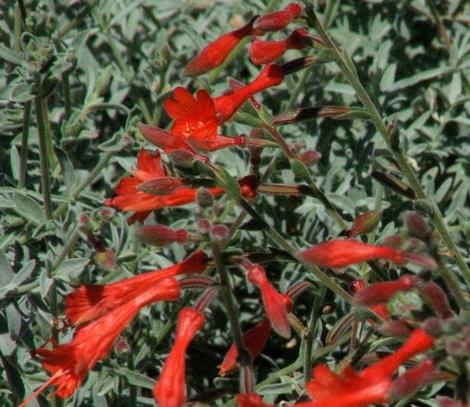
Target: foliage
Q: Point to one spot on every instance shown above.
(101, 67)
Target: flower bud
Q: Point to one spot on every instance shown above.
(437, 299)
(433, 326)
(219, 233)
(365, 223)
(182, 158)
(417, 225)
(106, 259)
(395, 328)
(204, 198)
(310, 157)
(411, 381)
(161, 186)
(161, 235)
(381, 292)
(122, 347)
(278, 19)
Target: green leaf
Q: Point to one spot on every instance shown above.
(227, 182)
(6, 272)
(28, 208)
(137, 379)
(9, 55)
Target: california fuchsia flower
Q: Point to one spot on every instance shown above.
(69, 363)
(161, 235)
(276, 305)
(437, 299)
(266, 52)
(343, 253)
(170, 389)
(254, 340)
(371, 385)
(227, 105)
(251, 400)
(89, 302)
(381, 292)
(278, 19)
(215, 53)
(131, 198)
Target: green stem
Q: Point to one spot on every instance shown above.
(43, 156)
(66, 89)
(88, 180)
(24, 145)
(244, 357)
(284, 244)
(348, 70)
(309, 335)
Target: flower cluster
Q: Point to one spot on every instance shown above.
(181, 171)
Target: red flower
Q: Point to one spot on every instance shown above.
(278, 19)
(342, 253)
(89, 302)
(380, 309)
(276, 305)
(161, 235)
(254, 340)
(170, 390)
(227, 105)
(215, 53)
(382, 292)
(266, 52)
(369, 386)
(251, 400)
(69, 363)
(131, 198)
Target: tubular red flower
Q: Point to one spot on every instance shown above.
(161, 235)
(215, 53)
(254, 340)
(278, 19)
(266, 52)
(276, 305)
(342, 253)
(251, 400)
(227, 105)
(130, 198)
(369, 386)
(170, 389)
(419, 341)
(382, 292)
(380, 308)
(69, 363)
(89, 302)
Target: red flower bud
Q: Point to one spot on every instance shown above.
(276, 305)
(278, 19)
(215, 53)
(161, 186)
(248, 186)
(417, 225)
(365, 223)
(410, 381)
(437, 299)
(382, 292)
(343, 253)
(310, 157)
(161, 235)
(265, 52)
(254, 340)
